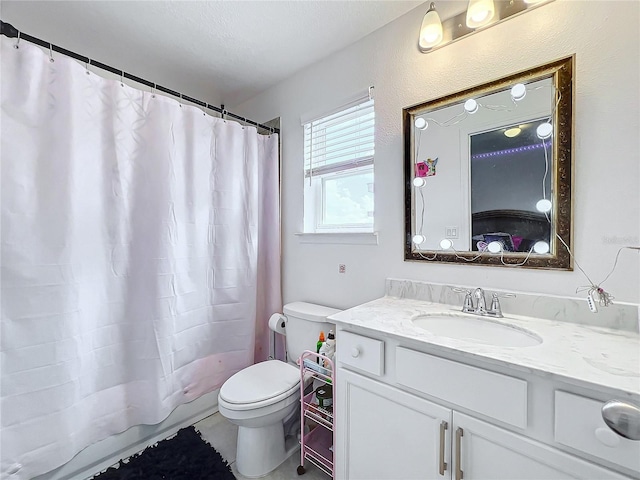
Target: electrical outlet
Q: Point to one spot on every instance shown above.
(342, 268)
(450, 232)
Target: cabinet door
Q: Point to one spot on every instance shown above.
(492, 453)
(384, 433)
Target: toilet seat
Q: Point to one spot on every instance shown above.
(260, 385)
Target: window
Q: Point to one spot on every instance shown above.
(338, 156)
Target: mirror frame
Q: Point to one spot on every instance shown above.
(561, 72)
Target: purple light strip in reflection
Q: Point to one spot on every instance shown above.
(524, 148)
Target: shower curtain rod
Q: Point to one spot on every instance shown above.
(10, 31)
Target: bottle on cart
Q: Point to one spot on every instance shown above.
(320, 343)
(329, 347)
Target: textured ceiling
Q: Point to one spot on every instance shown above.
(217, 51)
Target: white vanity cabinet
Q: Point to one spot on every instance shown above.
(492, 453)
(388, 434)
(387, 429)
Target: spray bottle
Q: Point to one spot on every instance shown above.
(320, 343)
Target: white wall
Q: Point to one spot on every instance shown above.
(603, 35)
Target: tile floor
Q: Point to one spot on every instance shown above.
(222, 435)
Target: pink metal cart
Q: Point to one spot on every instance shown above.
(316, 443)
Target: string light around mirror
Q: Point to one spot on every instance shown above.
(596, 295)
(471, 106)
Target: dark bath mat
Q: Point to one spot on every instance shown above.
(184, 457)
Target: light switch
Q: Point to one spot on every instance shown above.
(451, 232)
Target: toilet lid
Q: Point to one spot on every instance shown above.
(260, 382)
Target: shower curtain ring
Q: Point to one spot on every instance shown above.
(86, 66)
(51, 53)
(17, 45)
(180, 100)
(122, 78)
(153, 91)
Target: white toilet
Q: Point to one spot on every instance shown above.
(262, 397)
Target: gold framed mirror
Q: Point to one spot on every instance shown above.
(488, 172)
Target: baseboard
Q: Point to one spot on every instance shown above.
(107, 452)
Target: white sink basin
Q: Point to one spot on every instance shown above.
(476, 329)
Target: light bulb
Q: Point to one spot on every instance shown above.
(480, 12)
(544, 130)
(431, 29)
(518, 92)
(419, 182)
(446, 244)
(541, 247)
(421, 123)
(471, 106)
(512, 132)
(494, 247)
(543, 205)
(418, 239)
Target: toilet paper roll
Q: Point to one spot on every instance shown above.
(277, 323)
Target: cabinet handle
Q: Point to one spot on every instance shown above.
(459, 434)
(443, 465)
(355, 352)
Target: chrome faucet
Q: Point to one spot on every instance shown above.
(480, 307)
(481, 304)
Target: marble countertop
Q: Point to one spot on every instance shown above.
(593, 355)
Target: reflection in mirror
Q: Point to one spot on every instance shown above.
(488, 172)
(511, 188)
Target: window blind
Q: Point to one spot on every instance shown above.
(341, 141)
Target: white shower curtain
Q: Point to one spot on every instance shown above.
(140, 256)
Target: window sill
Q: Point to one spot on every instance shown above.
(342, 238)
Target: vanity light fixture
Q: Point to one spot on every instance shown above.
(421, 123)
(544, 130)
(543, 205)
(437, 31)
(419, 182)
(431, 29)
(419, 239)
(471, 106)
(480, 13)
(512, 132)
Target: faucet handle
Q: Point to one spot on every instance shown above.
(468, 301)
(502, 295)
(496, 310)
(461, 290)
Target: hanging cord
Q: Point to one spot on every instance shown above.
(455, 252)
(499, 108)
(515, 264)
(595, 292)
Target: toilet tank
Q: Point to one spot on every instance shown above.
(304, 322)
